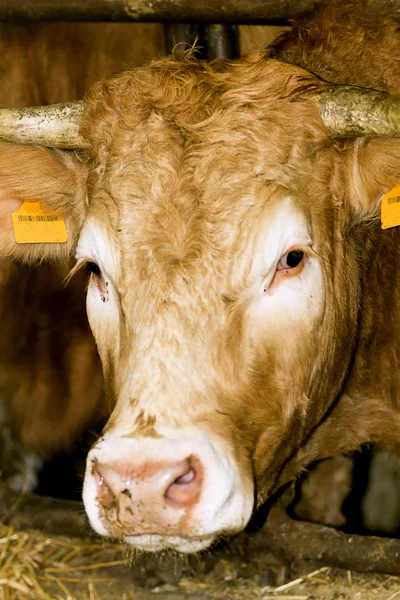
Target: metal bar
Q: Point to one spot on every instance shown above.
(212, 41)
(189, 11)
(221, 41)
(182, 35)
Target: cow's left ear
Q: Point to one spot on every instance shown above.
(53, 179)
(365, 170)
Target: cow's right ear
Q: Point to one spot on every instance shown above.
(364, 171)
(56, 179)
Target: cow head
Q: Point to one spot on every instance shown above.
(222, 229)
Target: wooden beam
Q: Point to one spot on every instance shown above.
(299, 540)
(190, 11)
(257, 12)
(281, 535)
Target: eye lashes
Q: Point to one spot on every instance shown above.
(81, 264)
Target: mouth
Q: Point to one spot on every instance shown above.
(155, 543)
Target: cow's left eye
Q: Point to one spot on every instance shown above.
(290, 260)
(97, 279)
(92, 267)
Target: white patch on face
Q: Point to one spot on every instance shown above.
(294, 299)
(97, 244)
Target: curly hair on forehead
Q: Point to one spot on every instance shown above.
(192, 95)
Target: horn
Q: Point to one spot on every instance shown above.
(56, 125)
(346, 111)
(350, 111)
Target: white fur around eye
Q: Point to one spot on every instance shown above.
(295, 298)
(102, 300)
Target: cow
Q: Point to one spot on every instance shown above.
(241, 291)
(48, 360)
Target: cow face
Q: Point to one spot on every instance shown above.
(224, 285)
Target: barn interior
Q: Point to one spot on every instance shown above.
(345, 510)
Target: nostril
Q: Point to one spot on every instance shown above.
(185, 490)
(187, 478)
(105, 495)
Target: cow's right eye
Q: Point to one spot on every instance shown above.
(92, 267)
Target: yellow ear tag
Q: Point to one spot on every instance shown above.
(35, 224)
(390, 213)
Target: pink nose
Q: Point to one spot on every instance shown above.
(148, 497)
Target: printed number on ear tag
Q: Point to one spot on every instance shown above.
(390, 214)
(35, 224)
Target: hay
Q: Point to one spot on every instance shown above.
(311, 576)
(42, 567)
(35, 566)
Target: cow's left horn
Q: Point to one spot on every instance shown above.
(350, 111)
(56, 125)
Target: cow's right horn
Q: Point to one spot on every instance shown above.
(350, 111)
(56, 125)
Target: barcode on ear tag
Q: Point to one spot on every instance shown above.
(35, 224)
(390, 212)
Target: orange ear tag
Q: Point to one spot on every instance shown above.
(35, 224)
(390, 213)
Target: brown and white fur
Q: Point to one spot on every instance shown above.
(230, 367)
